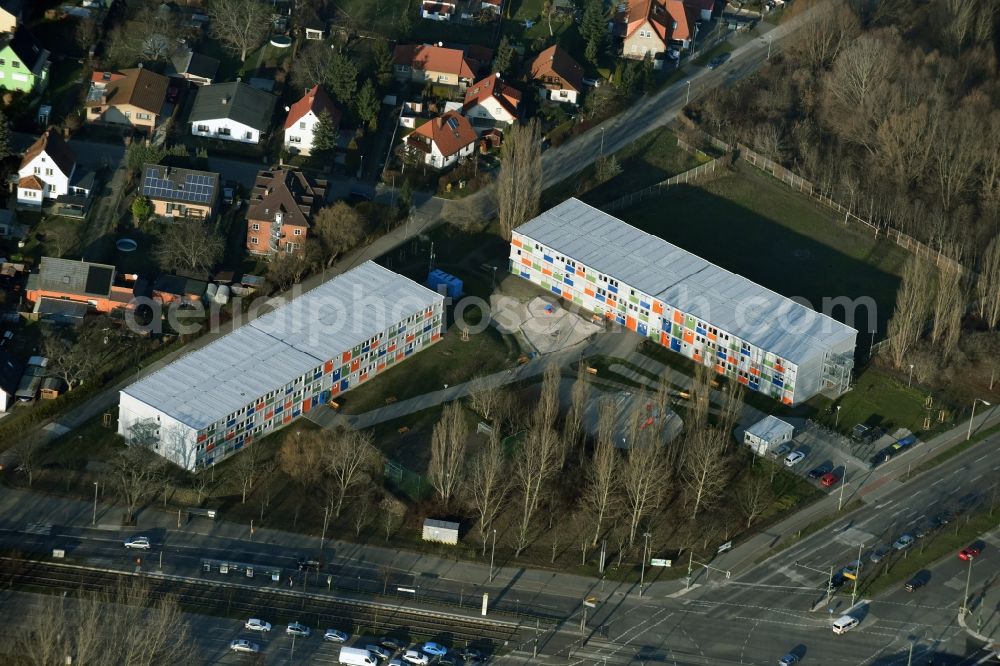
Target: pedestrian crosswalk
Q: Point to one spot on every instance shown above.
(39, 528)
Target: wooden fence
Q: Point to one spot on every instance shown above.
(689, 176)
(799, 183)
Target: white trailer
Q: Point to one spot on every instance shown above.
(767, 434)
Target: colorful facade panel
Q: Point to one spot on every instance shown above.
(679, 331)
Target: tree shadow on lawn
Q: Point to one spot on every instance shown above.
(765, 251)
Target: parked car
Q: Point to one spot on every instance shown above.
(472, 655)
(256, 624)
(309, 563)
(674, 54)
(297, 629)
(781, 450)
(434, 649)
(879, 554)
(379, 651)
(243, 645)
(138, 543)
(794, 458)
(903, 542)
(416, 657)
(719, 60)
(448, 660)
(392, 643)
(789, 659)
(818, 472)
(336, 636)
(970, 552)
(923, 530)
(829, 479)
(942, 519)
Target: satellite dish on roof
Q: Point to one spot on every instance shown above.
(287, 109)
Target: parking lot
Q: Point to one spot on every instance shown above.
(825, 451)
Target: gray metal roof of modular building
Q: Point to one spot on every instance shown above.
(686, 281)
(265, 354)
(769, 428)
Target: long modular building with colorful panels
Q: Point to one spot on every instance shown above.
(765, 341)
(213, 402)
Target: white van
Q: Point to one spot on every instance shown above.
(845, 624)
(357, 657)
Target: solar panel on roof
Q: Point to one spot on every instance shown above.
(453, 123)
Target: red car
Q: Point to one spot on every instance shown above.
(970, 553)
(829, 479)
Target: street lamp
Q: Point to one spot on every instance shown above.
(843, 482)
(829, 583)
(965, 600)
(968, 436)
(836, 423)
(493, 550)
(909, 382)
(769, 40)
(857, 575)
(642, 575)
(602, 141)
(93, 521)
(688, 100)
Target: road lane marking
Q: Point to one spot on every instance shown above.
(938, 481)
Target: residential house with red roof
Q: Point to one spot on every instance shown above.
(46, 170)
(651, 27)
(282, 204)
(422, 63)
(437, 10)
(491, 102)
(442, 141)
(303, 117)
(130, 97)
(558, 74)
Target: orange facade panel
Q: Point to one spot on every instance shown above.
(657, 307)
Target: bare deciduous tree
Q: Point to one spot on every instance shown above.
(643, 473)
(705, 469)
(820, 40)
(988, 284)
(912, 304)
(241, 25)
(125, 625)
(487, 483)
(490, 401)
(956, 156)
(519, 182)
(602, 474)
(188, 244)
(349, 458)
(339, 228)
(754, 496)
(25, 453)
(579, 395)
(301, 459)
(393, 511)
(947, 310)
(245, 469)
(448, 442)
(134, 471)
(535, 463)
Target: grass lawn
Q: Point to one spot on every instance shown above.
(876, 400)
(52, 235)
(752, 225)
(427, 31)
(229, 65)
(64, 87)
(652, 158)
(451, 361)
